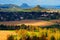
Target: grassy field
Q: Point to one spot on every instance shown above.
(5, 33)
(23, 33)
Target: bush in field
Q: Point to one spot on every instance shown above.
(28, 38)
(53, 38)
(23, 26)
(11, 37)
(35, 38)
(43, 37)
(58, 38)
(46, 34)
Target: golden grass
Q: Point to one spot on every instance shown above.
(22, 32)
(4, 34)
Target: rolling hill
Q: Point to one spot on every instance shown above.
(25, 6)
(8, 6)
(14, 8)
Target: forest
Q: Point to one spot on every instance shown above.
(17, 16)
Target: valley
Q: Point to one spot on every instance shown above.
(29, 23)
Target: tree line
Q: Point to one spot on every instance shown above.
(29, 27)
(17, 16)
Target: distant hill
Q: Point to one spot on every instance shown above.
(24, 6)
(38, 8)
(8, 6)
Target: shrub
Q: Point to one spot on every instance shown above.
(43, 37)
(11, 37)
(53, 38)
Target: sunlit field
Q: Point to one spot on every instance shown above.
(5, 33)
(34, 30)
(23, 34)
(29, 22)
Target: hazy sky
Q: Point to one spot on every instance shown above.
(31, 2)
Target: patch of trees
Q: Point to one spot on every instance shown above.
(5, 27)
(30, 28)
(23, 26)
(16, 16)
(52, 26)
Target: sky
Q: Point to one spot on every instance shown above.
(31, 2)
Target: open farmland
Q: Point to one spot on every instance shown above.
(29, 22)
